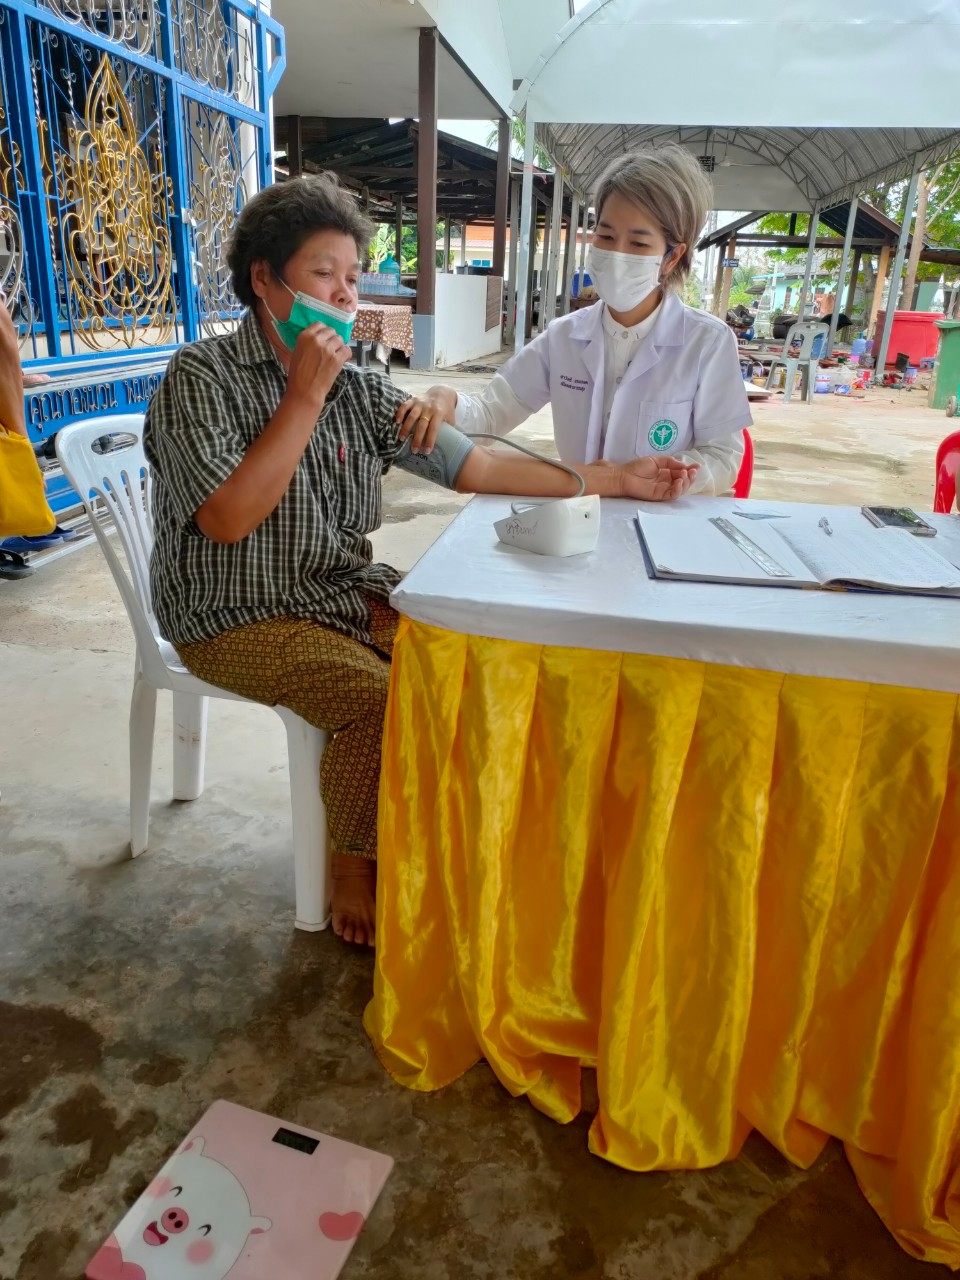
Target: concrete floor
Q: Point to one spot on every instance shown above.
(133, 994)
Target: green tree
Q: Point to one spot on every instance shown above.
(778, 224)
(518, 129)
(384, 243)
(743, 285)
(408, 249)
(826, 266)
(943, 215)
(937, 219)
(692, 292)
(942, 223)
(381, 245)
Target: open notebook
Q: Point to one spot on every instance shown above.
(795, 552)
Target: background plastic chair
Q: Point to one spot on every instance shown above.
(104, 456)
(805, 336)
(945, 481)
(741, 487)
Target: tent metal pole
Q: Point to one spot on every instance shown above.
(842, 278)
(551, 268)
(808, 270)
(526, 220)
(514, 247)
(880, 360)
(584, 224)
(570, 254)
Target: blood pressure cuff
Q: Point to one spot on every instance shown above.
(444, 464)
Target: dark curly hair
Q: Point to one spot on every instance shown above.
(277, 221)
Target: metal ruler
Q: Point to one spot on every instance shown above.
(756, 553)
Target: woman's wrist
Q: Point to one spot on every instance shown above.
(603, 479)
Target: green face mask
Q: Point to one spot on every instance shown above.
(307, 311)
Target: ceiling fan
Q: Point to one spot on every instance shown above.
(710, 163)
(725, 163)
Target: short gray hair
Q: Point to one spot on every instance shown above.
(279, 219)
(668, 182)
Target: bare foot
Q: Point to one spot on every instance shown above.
(354, 899)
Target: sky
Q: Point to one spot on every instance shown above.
(473, 130)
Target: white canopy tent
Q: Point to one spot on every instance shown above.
(794, 112)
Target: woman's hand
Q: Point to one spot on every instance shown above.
(655, 479)
(420, 417)
(317, 358)
(651, 479)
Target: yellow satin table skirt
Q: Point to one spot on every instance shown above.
(735, 894)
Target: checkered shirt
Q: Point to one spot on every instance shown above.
(311, 557)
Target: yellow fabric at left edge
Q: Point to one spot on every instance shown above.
(732, 892)
(23, 504)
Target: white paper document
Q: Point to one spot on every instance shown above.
(795, 552)
(947, 541)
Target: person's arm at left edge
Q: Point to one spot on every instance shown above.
(720, 413)
(11, 376)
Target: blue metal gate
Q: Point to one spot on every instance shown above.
(131, 132)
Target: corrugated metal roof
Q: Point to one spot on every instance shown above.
(825, 165)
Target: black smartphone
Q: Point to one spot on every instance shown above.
(899, 518)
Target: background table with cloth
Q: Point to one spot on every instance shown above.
(704, 839)
(388, 327)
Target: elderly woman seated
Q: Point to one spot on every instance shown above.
(268, 449)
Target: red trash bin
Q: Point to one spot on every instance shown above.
(914, 333)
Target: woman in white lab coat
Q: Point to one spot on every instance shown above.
(639, 374)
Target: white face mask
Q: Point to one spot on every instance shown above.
(623, 280)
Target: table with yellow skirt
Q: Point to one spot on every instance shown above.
(733, 891)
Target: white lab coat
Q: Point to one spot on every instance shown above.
(682, 393)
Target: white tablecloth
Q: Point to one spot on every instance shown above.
(470, 582)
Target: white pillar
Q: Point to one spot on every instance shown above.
(584, 223)
(512, 259)
(548, 294)
(523, 247)
(811, 251)
(271, 126)
(271, 173)
(708, 256)
(842, 278)
(570, 256)
(896, 275)
(247, 83)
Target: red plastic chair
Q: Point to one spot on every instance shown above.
(741, 487)
(948, 466)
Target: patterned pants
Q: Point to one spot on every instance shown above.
(330, 680)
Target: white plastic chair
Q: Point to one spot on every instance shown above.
(120, 478)
(805, 333)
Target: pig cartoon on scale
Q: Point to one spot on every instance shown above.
(198, 1232)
